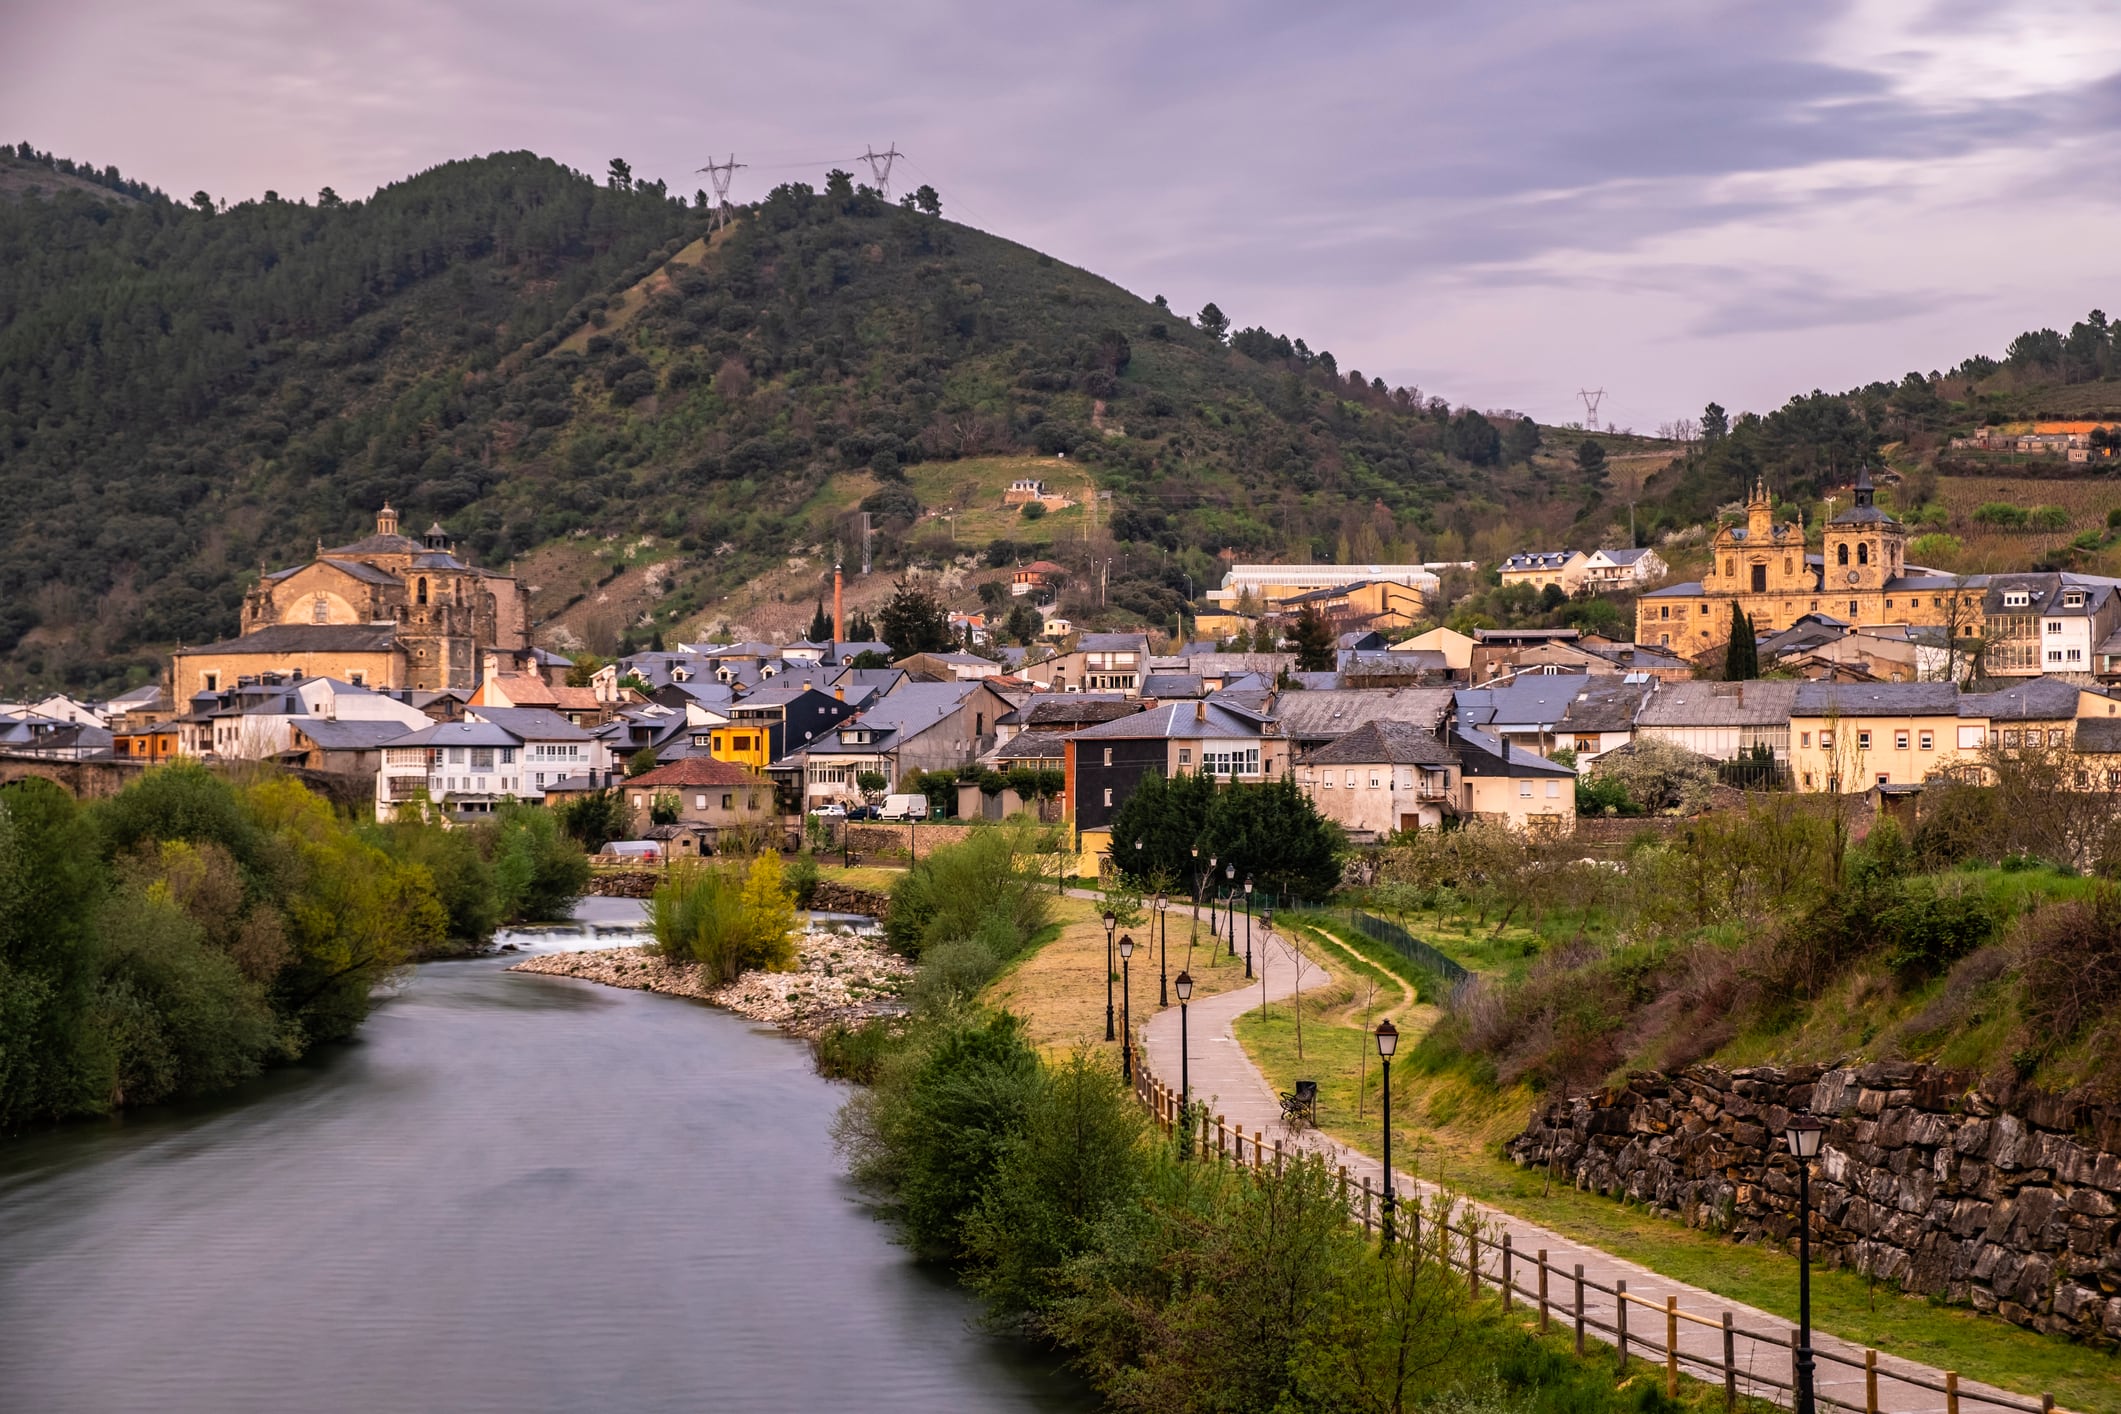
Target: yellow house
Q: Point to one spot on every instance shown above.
(1850, 737)
(1564, 569)
(1514, 786)
(745, 745)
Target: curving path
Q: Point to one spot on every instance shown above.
(1224, 1078)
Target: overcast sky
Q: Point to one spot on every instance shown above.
(1675, 200)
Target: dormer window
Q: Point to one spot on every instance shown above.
(2016, 599)
(2074, 599)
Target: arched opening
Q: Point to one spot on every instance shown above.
(1863, 554)
(420, 593)
(1841, 554)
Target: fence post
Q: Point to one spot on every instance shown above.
(1343, 1187)
(1951, 1392)
(1277, 1158)
(1730, 1365)
(1506, 1280)
(1579, 1310)
(1366, 1205)
(1620, 1321)
(1472, 1258)
(1222, 1137)
(1796, 1338)
(1671, 1347)
(1870, 1382)
(1542, 1291)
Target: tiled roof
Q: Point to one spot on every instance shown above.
(1718, 704)
(1872, 699)
(696, 771)
(1606, 704)
(2035, 700)
(1324, 716)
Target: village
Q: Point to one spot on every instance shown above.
(403, 675)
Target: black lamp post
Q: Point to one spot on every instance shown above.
(1196, 894)
(1183, 985)
(1163, 953)
(1803, 1134)
(1248, 925)
(1388, 1042)
(1111, 922)
(1213, 927)
(1126, 992)
(1230, 905)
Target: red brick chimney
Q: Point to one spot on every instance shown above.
(839, 614)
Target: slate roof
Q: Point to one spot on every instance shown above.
(307, 638)
(378, 545)
(1320, 717)
(1539, 560)
(1029, 746)
(2035, 700)
(1176, 721)
(531, 723)
(1480, 754)
(1673, 591)
(1719, 704)
(1073, 710)
(444, 734)
(2100, 736)
(1875, 699)
(1113, 643)
(1534, 699)
(1625, 557)
(1172, 685)
(696, 771)
(1393, 743)
(1606, 704)
(351, 736)
(911, 710)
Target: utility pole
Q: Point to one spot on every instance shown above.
(1591, 398)
(719, 174)
(880, 167)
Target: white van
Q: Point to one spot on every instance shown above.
(904, 807)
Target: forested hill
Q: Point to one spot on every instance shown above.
(543, 360)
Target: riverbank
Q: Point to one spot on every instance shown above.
(839, 977)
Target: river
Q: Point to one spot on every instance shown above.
(513, 1193)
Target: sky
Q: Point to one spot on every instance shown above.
(1501, 204)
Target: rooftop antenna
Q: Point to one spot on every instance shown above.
(880, 167)
(1591, 397)
(720, 174)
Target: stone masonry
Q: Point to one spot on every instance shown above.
(2004, 1200)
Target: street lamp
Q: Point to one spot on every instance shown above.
(1194, 936)
(1211, 899)
(1803, 1134)
(1183, 985)
(1230, 906)
(1387, 1042)
(1126, 992)
(1248, 925)
(1163, 953)
(1111, 922)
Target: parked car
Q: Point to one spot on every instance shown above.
(861, 812)
(834, 811)
(904, 807)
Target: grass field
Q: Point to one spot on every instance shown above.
(1449, 1126)
(1059, 990)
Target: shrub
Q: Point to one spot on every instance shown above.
(2049, 518)
(1658, 776)
(1034, 510)
(953, 891)
(2002, 516)
(2070, 958)
(538, 872)
(803, 878)
(855, 1053)
(727, 918)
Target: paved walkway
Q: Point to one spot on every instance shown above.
(1224, 1079)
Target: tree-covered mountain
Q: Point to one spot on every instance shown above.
(542, 360)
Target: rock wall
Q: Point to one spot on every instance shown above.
(890, 839)
(833, 897)
(623, 883)
(2004, 1201)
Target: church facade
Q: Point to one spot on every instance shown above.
(387, 611)
(1861, 578)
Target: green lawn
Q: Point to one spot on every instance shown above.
(1449, 1126)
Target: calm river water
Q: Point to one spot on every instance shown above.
(514, 1193)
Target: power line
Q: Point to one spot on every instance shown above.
(1591, 398)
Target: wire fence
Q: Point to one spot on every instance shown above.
(1745, 1361)
(1408, 946)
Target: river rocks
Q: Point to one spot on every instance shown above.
(2008, 1202)
(839, 977)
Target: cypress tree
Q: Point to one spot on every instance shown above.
(1741, 656)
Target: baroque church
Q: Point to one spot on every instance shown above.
(385, 611)
(1862, 578)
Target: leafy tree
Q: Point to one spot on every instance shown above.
(727, 916)
(914, 621)
(871, 783)
(1169, 817)
(925, 197)
(641, 762)
(1024, 625)
(202, 203)
(1213, 322)
(594, 818)
(1471, 437)
(1313, 639)
(1272, 832)
(1741, 655)
(1590, 458)
(1520, 440)
(583, 670)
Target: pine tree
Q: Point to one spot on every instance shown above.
(820, 626)
(1741, 656)
(1312, 637)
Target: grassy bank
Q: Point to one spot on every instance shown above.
(1450, 1122)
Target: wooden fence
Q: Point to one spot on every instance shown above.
(1564, 1293)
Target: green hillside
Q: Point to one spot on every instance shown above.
(569, 377)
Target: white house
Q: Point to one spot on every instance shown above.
(1382, 777)
(1623, 569)
(499, 754)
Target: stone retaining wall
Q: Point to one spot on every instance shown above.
(834, 897)
(2004, 1201)
(885, 838)
(622, 883)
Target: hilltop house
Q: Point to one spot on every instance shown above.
(708, 798)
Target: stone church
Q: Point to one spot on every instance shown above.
(385, 611)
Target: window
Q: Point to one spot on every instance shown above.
(2010, 738)
(213, 682)
(508, 756)
(1664, 611)
(2016, 598)
(1108, 756)
(1704, 611)
(422, 590)
(2054, 655)
(1888, 603)
(1664, 640)
(1807, 780)
(1884, 778)
(2054, 626)
(728, 800)
(2054, 736)
(320, 610)
(1899, 741)
(1863, 741)
(1108, 795)
(456, 755)
(1928, 741)
(1759, 578)
(1327, 780)
(482, 758)
(699, 802)
(1236, 761)
(1524, 790)
(1553, 790)
(1841, 554)
(1373, 780)
(1351, 780)
(2076, 655)
(1826, 741)
(357, 678)
(1804, 739)
(1185, 756)
(1863, 554)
